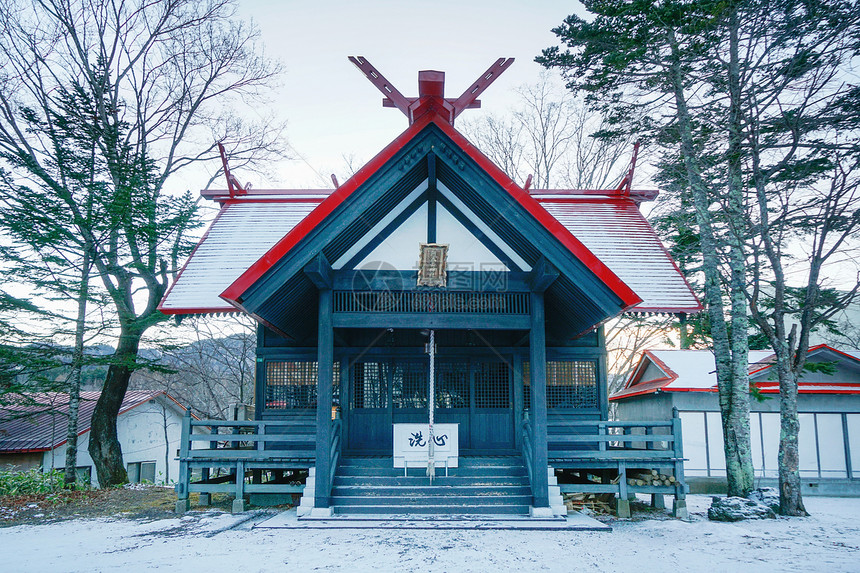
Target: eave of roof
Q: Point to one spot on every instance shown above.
(632, 388)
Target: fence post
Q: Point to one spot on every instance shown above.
(239, 502)
(679, 506)
(182, 503)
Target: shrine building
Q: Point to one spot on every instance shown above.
(430, 240)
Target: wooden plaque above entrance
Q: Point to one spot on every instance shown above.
(432, 265)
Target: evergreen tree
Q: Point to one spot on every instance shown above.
(154, 84)
(641, 63)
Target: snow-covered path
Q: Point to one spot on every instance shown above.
(828, 541)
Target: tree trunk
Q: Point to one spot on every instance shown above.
(735, 418)
(790, 500)
(739, 415)
(166, 444)
(104, 447)
(71, 477)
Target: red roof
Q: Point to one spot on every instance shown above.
(695, 371)
(37, 421)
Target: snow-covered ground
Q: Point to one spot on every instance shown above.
(828, 541)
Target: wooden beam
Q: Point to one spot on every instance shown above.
(542, 275)
(436, 320)
(395, 281)
(383, 85)
(482, 83)
(431, 198)
(320, 272)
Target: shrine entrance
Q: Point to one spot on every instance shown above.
(474, 392)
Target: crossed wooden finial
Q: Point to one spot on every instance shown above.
(431, 88)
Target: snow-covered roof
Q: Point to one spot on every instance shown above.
(242, 232)
(695, 370)
(611, 227)
(615, 231)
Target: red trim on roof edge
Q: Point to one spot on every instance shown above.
(200, 310)
(809, 351)
(234, 292)
(629, 389)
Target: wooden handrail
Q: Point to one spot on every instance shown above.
(335, 450)
(527, 448)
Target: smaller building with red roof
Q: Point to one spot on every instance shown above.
(33, 431)
(828, 406)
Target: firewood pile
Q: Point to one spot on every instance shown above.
(593, 502)
(652, 477)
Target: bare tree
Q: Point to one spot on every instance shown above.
(553, 136)
(214, 369)
(627, 337)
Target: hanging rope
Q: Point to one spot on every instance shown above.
(431, 446)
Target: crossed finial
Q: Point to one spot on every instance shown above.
(431, 91)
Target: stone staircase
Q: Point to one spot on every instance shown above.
(490, 486)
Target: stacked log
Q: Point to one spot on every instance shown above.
(652, 478)
(595, 502)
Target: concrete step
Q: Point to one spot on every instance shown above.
(422, 480)
(471, 461)
(433, 500)
(474, 471)
(411, 491)
(485, 485)
(449, 509)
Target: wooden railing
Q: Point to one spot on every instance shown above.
(601, 439)
(592, 448)
(528, 447)
(335, 451)
(243, 448)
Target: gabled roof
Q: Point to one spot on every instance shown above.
(242, 232)
(278, 293)
(609, 258)
(610, 226)
(695, 371)
(38, 421)
(613, 228)
(235, 291)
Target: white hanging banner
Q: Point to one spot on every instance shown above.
(412, 445)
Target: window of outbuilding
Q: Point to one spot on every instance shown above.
(141, 472)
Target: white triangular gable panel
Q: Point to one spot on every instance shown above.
(400, 249)
(466, 252)
(380, 226)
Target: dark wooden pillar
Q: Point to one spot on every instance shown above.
(537, 371)
(518, 399)
(259, 380)
(325, 370)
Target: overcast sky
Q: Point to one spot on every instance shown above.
(333, 111)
